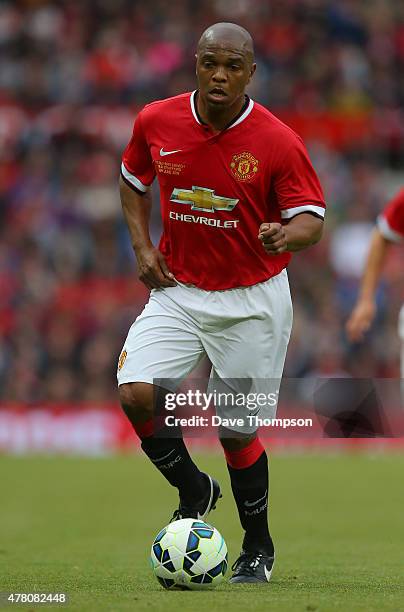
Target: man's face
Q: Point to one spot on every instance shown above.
(223, 72)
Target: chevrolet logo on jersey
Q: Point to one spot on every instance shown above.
(203, 199)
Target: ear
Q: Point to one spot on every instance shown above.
(252, 71)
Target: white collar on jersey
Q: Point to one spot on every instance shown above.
(243, 116)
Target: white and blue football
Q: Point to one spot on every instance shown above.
(189, 554)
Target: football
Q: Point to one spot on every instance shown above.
(189, 554)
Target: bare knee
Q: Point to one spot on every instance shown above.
(235, 442)
(137, 400)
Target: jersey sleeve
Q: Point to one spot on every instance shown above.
(391, 221)
(296, 184)
(137, 168)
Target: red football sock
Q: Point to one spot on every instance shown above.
(248, 470)
(170, 456)
(144, 430)
(245, 457)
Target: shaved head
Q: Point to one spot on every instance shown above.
(227, 35)
(224, 68)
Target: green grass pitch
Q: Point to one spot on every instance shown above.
(84, 526)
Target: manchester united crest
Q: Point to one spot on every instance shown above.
(244, 166)
(122, 359)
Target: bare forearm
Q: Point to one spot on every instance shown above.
(152, 267)
(373, 266)
(302, 231)
(364, 312)
(136, 209)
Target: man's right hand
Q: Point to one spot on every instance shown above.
(153, 270)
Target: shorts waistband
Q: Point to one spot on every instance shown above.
(246, 287)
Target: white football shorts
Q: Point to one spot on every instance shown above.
(244, 332)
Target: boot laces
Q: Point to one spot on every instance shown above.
(248, 561)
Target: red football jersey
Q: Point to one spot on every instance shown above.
(391, 221)
(217, 188)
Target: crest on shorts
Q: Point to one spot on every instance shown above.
(122, 359)
(244, 166)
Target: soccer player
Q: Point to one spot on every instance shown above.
(389, 229)
(238, 194)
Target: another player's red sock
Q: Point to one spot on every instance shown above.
(171, 458)
(248, 469)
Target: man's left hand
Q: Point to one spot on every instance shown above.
(273, 238)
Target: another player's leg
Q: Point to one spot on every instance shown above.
(198, 491)
(247, 464)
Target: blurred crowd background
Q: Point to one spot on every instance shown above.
(73, 75)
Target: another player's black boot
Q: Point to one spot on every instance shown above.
(254, 566)
(200, 509)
